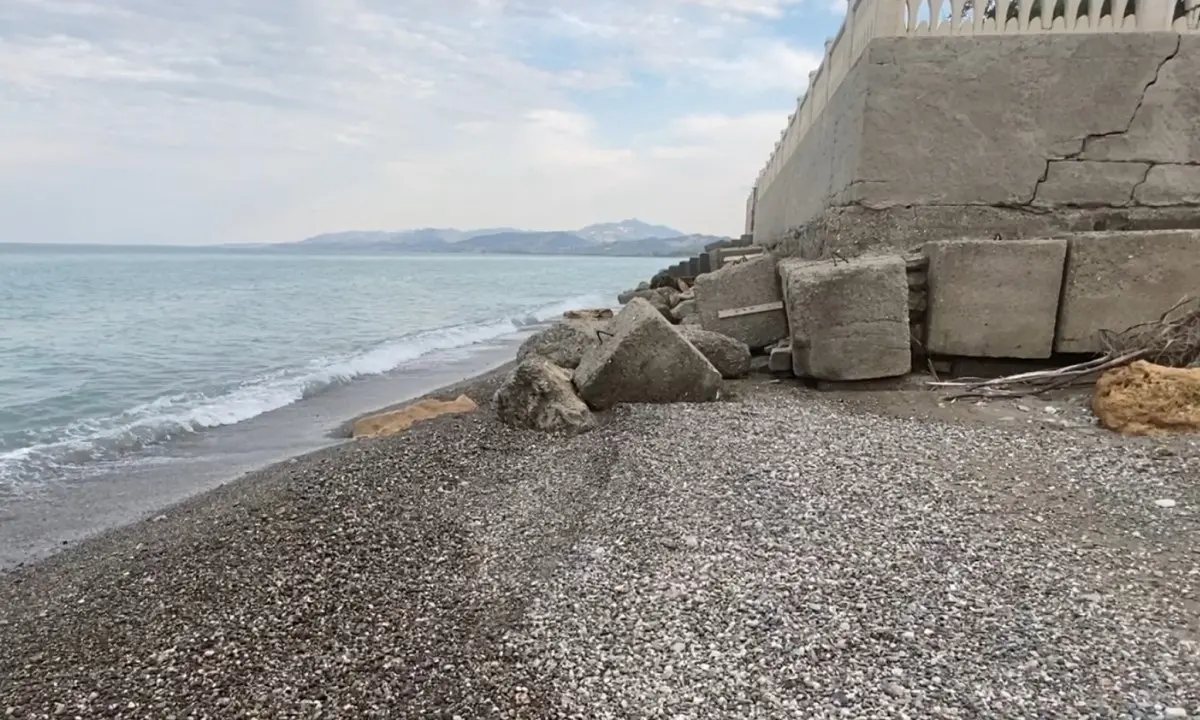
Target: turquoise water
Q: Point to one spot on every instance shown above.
(109, 355)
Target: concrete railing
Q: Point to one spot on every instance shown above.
(869, 19)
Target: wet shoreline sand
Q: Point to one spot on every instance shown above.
(784, 553)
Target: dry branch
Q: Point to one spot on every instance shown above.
(1172, 340)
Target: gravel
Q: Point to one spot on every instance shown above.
(786, 554)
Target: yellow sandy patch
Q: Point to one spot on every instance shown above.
(394, 421)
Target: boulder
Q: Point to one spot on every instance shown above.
(730, 357)
(1147, 399)
(394, 421)
(658, 300)
(563, 343)
(662, 278)
(644, 361)
(683, 310)
(538, 395)
(589, 314)
(643, 285)
(671, 295)
(626, 296)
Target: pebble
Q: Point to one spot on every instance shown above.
(855, 564)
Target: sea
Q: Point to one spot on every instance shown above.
(132, 378)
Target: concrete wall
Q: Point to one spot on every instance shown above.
(934, 137)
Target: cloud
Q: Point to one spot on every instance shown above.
(234, 120)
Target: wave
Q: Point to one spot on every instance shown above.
(139, 428)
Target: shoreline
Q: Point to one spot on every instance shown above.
(72, 534)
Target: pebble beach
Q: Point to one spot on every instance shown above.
(782, 553)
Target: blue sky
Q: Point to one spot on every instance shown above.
(204, 121)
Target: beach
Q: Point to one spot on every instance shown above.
(781, 553)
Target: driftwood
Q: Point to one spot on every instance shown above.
(1173, 340)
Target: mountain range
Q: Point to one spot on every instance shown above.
(627, 238)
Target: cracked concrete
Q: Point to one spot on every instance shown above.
(931, 137)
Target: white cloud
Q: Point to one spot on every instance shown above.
(230, 120)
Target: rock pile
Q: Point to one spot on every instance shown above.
(584, 364)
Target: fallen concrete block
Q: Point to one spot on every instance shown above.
(730, 357)
(743, 301)
(993, 298)
(848, 320)
(538, 395)
(1115, 280)
(645, 361)
(693, 268)
(563, 343)
(780, 359)
(705, 263)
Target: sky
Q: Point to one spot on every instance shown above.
(217, 121)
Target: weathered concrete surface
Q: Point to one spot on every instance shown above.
(989, 298)
(753, 282)
(780, 359)
(645, 361)
(1116, 280)
(1018, 134)
(849, 320)
(730, 357)
(563, 343)
(727, 256)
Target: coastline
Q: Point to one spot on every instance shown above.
(32, 534)
(672, 561)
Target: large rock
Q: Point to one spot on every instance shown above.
(1115, 280)
(626, 296)
(683, 310)
(395, 421)
(644, 361)
(563, 343)
(849, 320)
(538, 395)
(993, 298)
(1147, 399)
(743, 301)
(656, 298)
(730, 357)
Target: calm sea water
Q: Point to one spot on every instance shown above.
(109, 356)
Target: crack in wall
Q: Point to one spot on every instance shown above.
(1138, 185)
(1083, 143)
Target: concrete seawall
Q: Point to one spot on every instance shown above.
(928, 138)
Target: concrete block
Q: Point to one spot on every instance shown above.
(744, 241)
(693, 267)
(705, 263)
(1115, 280)
(993, 298)
(645, 361)
(751, 286)
(848, 320)
(780, 359)
(717, 244)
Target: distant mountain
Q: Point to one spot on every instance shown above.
(626, 230)
(625, 238)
